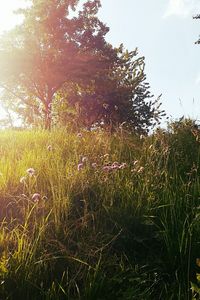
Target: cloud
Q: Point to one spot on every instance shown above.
(182, 8)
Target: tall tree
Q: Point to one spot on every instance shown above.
(55, 45)
(121, 95)
(58, 61)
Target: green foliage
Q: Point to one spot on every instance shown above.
(121, 95)
(184, 144)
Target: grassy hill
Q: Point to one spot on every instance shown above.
(99, 216)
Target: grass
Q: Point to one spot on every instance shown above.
(117, 217)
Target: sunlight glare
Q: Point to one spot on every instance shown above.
(8, 19)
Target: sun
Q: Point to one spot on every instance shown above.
(8, 19)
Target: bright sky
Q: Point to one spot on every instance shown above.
(164, 32)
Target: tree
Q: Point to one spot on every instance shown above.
(121, 95)
(51, 48)
(58, 63)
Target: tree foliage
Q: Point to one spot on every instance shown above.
(121, 95)
(51, 48)
(57, 65)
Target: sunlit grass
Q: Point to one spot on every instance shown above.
(123, 226)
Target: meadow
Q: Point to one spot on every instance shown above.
(100, 216)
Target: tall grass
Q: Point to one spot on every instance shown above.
(117, 217)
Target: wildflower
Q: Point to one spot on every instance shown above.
(79, 135)
(116, 107)
(36, 197)
(107, 168)
(84, 159)
(30, 172)
(23, 179)
(80, 166)
(115, 165)
(49, 148)
(94, 165)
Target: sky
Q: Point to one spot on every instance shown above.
(165, 33)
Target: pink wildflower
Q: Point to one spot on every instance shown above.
(107, 168)
(94, 165)
(80, 166)
(115, 165)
